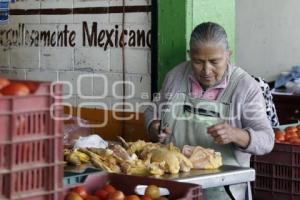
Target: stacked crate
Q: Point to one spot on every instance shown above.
(278, 173)
(31, 149)
(129, 184)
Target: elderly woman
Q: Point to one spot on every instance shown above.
(209, 102)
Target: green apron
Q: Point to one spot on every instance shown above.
(190, 117)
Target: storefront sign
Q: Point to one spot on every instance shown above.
(91, 35)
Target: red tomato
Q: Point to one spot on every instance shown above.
(91, 197)
(279, 136)
(31, 86)
(117, 195)
(298, 133)
(295, 141)
(109, 188)
(81, 191)
(134, 197)
(290, 129)
(102, 194)
(73, 196)
(145, 198)
(161, 198)
(15, 89)
(290, 135)
(4, 82)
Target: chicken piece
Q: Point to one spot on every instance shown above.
(135, 147)
(119, 151)
(184, 163)
(164, 155)
(108, 165)
(134, 167)
(100, 152)
(148, 148)
(202, 158)
(73, 158)
(157, 169)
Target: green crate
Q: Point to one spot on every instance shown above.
(71, 178)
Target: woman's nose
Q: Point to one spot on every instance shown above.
(206, 68)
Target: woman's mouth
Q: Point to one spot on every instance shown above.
(206, 77)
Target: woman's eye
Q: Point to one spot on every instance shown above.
(198, 61)
(214, 62)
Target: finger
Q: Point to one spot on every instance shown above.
(223, 139)
(155, 124)
(162, 137)
(219, 140)
(167, 130)
(217, 133)
(216, 127)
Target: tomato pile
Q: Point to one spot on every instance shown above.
(109, 192)
(291, 134)
(15, 88)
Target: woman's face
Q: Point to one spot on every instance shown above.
(209, 63)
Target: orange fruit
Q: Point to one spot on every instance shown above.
(133, 197)
(152, 191)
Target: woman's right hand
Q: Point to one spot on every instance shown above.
(155, 135)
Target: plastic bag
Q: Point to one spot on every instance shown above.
(293, 86)
(73, 129)
(92, 141)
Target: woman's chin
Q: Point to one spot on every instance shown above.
(207, 83)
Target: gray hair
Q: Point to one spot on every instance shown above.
(209, 32)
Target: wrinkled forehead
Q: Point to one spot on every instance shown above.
(209, 51)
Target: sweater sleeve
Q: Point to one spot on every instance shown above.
(152, 113)
(255, 121)
(169, 88)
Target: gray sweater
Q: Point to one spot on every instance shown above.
(248, 112)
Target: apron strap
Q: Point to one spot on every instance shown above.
(234, 79)
(183, 81)
(227, 189)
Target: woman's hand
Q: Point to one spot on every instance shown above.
(155, 135)
(225, 134)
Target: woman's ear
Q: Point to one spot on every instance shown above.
(228, 54)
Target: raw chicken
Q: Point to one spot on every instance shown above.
(202, 158)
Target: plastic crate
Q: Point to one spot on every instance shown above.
(127, 184)
(31, 145)
(71, 178)
(278, 173)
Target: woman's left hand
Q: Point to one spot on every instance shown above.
(224, 134)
